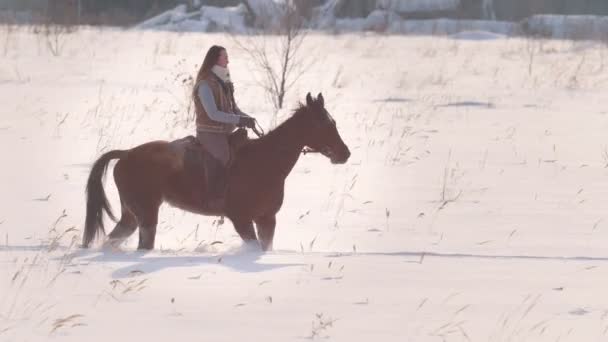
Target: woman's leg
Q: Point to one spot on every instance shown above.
(216, 144)
(215, 168)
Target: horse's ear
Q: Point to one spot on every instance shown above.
(308, 99)
(321, 100)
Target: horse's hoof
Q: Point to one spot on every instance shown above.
(252, 246)
(111, 246)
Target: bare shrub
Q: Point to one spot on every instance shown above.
(55, 37)
(279, 58)
(8, 30)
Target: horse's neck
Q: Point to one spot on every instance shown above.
(285, 146)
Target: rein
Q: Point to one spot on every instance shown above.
(259, 131)
(307, 150)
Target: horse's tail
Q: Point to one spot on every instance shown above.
(97, 202)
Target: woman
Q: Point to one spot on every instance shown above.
(217, 115)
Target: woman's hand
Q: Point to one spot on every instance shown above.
(246, 121)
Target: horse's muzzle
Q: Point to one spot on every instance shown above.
(341, 157)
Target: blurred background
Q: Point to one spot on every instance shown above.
(131, 12)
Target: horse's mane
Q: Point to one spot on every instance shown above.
(299, 110)
(247, 141)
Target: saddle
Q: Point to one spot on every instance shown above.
(195, 156)
(198, 162)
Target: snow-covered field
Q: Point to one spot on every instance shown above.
(473, 207)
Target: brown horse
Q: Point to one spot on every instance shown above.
(153, 173)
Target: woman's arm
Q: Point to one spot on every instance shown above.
(206, 96)
(239, 111)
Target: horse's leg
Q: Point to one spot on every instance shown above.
(148, 219)
(245, 230)
(266, 227)
(124, 228)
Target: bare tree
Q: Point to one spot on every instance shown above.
(531, 51)
(280, 61)
(487, 7)
(9, 29)
(55, 37)
(61, 18)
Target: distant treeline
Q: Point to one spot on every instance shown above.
(515, 10)
(126, 12)
(507, 10)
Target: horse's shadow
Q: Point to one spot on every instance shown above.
(140, 262)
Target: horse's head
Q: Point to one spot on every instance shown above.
(323, 134)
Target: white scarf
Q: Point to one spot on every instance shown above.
(222, 73)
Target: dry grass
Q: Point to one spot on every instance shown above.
(70, 321)
(321, 326)
(450, 175)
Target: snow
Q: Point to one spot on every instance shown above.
(390, 22)
(452, 26)
(473, 206)
(173, 15)
(324, 16)
(205, 19)
(377, 21)
(190, 26)
(477, 35)
(407, 6)
(229, 19)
